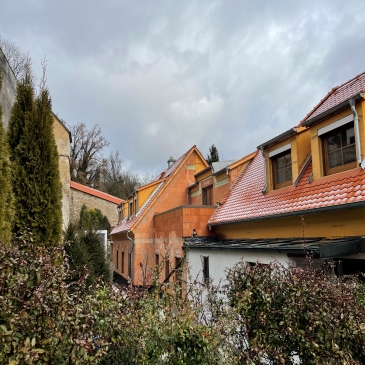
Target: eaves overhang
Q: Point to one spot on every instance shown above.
(331, 111)
(279, 138)
(324, 248)
(202, 171)
(331, 208)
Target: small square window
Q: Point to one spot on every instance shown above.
(282, 170)
(339, 149)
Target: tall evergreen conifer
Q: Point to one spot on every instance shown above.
(36, 180)
(213, 155)
(6, 196)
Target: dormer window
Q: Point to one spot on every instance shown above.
(339, 149)
(281, 166)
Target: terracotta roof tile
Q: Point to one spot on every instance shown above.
(94, 192)
(337, 95)
(245, 201)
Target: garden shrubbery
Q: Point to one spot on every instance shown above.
(50, 314)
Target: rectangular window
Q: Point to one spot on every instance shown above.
(117, 259)
(339, 149)
(130, 265)
(207, 195)
(282, 170)
(157, 260)
(167, 268)
(178, 269)
(130, 213)
(205, 262)
(123, 262)
(178, 273)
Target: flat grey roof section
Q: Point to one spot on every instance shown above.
(220, 165)
(323, 247)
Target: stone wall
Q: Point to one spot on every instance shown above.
(79, 198)
(8, 91)
(62, 138)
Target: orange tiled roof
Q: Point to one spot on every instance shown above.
(94, 192)
(245, 201)
(338, 95)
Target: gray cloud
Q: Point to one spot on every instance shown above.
(159, 77)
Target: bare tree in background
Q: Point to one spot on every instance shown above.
(85, 155)
(18, 60)
(89, 167)
(117, 182)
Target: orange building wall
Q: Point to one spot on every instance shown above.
(181, 221)
(145, 246)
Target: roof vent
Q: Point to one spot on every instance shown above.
(170, 162)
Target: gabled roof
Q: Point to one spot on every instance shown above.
(169, 171)
(245, 201)
(165, 178)
(337, 96)
(64, 126)
(243, 160)
(94, 192)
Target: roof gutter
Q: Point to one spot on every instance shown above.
(278, 138)
(331, 111)
(352, 103)
(297, 213)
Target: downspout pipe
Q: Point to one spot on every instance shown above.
(265, 172)
(132, 251)
(357, 132)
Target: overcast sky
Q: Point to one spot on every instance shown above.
(161, 76)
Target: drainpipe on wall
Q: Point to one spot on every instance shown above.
(132, 250)
(357, 134)
(265, 172)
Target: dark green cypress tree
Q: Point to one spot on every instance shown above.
(213, 155)
(6, 195)
(36, 180)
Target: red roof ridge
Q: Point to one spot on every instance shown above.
(318, 105)
(95, 192)
(335, 90)
(353, 79)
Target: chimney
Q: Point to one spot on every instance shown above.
(170, 162)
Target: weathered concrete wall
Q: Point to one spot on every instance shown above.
(79, 198)
(8, 90)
